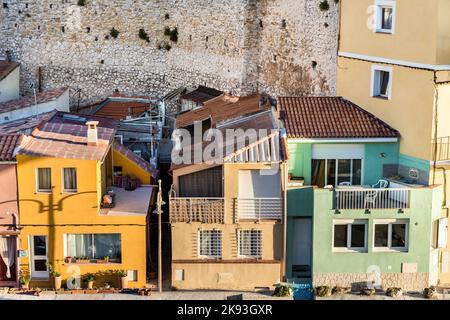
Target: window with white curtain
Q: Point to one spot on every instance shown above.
(44, 180)
(210, 244)
(94, 246)
(70, 180)
(384, 16)
(250, 244)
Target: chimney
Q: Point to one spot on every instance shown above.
(92, 136)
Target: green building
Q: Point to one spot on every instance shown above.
(355, 217)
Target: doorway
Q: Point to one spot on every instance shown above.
(302, 244)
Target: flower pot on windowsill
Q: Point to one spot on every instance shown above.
(90, 285)
(25, 286)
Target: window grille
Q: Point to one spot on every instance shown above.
(250, 244)
(210, 244)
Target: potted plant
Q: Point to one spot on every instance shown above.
(25, 281)
(106, 259)
(55, 275)
(123, 275)
(89, 278)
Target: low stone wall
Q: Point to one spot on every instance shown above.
(406, 281)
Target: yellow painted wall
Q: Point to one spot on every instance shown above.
(130, 168)
(81, 208)
(443, 106)
(443, 41)
(410, 109)
(416, 31)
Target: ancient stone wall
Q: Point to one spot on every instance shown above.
(239, 46)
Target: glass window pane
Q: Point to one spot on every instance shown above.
(381, 235)
(39, 248)
(386, 18)
(358, 236)
(340, 236)
(80, 245)
(356, 174)
(108, 245)
(384, 83)
(44, 179)
(331, 172)
(344, 171)
(318, 173)
(70, 179)
(398, 235)
(40, 265)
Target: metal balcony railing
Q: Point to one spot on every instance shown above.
(360, 198)
(442, 148)
(258, 209)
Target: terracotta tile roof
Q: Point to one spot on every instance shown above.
(262, 120)
(6, 67)
(42, 97)
(65, 136)
(8, 145)
(221, 109)
(120, 109)
(330, 117)
(25, 125)
(201, 94)
(135, 158)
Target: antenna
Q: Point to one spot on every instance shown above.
(32, 86)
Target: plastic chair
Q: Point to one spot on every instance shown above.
(345, 183)
(381, 184)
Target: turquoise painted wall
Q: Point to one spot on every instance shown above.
(413, 162)
(300, 155)
(425, 209)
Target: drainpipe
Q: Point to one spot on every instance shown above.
(285, 207)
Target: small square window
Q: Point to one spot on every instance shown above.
(69, 179)
(384, 16)
(381, 82)
(391, 235)
(350, 236)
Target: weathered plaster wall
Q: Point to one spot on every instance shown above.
(239, 46)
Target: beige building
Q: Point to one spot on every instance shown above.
(397, 67)
(9, 80)
(227, 215)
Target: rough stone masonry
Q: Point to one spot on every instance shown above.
(149, 47)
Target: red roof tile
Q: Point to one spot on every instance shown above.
(41, 97)
(8, 145)
(65, 136)
(119, 110)
(201, 94)
(330, 117)
(220, 109)
(25, 125)
(6, 67)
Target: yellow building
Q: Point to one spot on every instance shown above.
(394, 61)
(227, 212)
(83, 201)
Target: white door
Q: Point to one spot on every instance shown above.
(39, 256)
(302, 242)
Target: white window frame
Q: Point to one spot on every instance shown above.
(374, 86)
(349, 224)
(37, 181)
(389, 223)
(62, 181)
(199, 244)
(337, 170)
(33, 257)
(379, 4)
(66, 250)
(258, 243)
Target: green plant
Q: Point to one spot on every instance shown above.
(324, 5)
(341, 290)
(81, 3)
(88, 277)
(322, 291)
(282, 291)
(114, 33)
(52, 270)
(122, 273)
(171, 33)
(143, 35)
(25, 279)
(367, 292)
(394, 292)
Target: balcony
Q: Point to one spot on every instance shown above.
(442, 148)
(258, 209)
(129, 203)
(370, 198)
(205, 210)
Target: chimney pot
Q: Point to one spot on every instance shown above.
(92, 135)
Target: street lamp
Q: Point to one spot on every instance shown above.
(158, 211)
